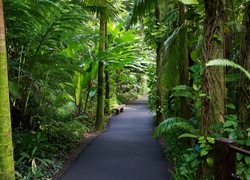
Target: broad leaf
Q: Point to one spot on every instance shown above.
(189, 1)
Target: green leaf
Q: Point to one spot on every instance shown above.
(247, 160)
(195, 163)
(240, 167)
(201, 138)
(203, 145)
(189, 1)
(210, 140)
(203, 152)
(239, 156)
(24, 154)
(63, 96)
(210, 162)
(187, 135)
(230, 123)
(248, 142)
(195, 54)
(232, 117)
(34, 151)
(233, 135)
(231, 106)
(190, 157)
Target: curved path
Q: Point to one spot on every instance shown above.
(125, 151)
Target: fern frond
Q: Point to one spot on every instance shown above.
(173, 123)
(186, 126)
(183, 91)
(226, 62)
(173, 56)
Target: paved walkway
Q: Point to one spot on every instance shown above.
(125, 151)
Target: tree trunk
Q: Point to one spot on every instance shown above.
(244, 93)
(99, 125)
(159, 90)
(184, 74)
(7, 171)
(213, 105)
(107, 92)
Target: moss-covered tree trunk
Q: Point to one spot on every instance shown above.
(244, 83)
(99, 125)
(7, 171)
(213, 105)
(159, 90)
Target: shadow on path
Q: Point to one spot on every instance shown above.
(125, 151)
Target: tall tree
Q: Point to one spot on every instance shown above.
(105, 10)
(100, 93)
(244, 93)
(107, 84)
(159, 92)
(184, 74)
(7, 171)
(213, 86)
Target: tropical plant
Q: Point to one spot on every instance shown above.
(104, 10)
(225, 62)
(28, 80)
(188, 162)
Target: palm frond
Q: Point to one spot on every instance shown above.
(175, 122)
(102, 7)
(141, 8)
(226, 62)
(173, 54)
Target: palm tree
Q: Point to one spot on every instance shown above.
(6, 150)
(104, 10)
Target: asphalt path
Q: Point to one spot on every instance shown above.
(125, 151)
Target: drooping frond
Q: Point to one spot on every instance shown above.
(183, 91)
(225, 62)
(102, 7)
(175, 122)
(141, 8)
(173, 56)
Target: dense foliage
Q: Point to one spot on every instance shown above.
(66, 56)
(193, 35)
(53, 63)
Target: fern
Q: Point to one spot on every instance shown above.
(183, 91)
(173, 56)
(175, 122)
(226, 62)
(186, 126)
